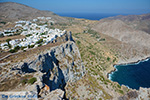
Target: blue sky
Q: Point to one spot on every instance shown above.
(89, 6)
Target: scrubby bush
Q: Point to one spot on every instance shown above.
(22, 48)
(1, 35)
(108, 58)
(93, 53)
(24, 81)
(40, 41)
(32, 80)
(78, 42)
(12, 51)
(30, 46)
(3, 22)
(102, 39)
(8, 40)
(39, 45)
(28, 35)
(15, 49)
(43, 33)
(9, 45)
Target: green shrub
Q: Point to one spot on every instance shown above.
(32, 80)
(28, 35)
(7, 32)
(114, 59)
(40, 41)
(43, 33)
(108, 58)
(15, 49)
(12, 51)
(120, 91)
(8, 40)
(30, 46)
(52, 23)
(3, 22)
(1, 35)
(78, 42)
(103, 39)
(39, 45)
(22, 48)
(118, 86)
(93, 33)
(93, 53)
(9, 45)
(24, 81)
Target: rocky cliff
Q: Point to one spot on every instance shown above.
(142, 94)
(52, 68)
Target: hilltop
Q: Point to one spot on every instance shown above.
(14, 11)
(138, 22)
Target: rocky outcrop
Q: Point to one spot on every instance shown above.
(55, 95)
(55, 67)
(142, 94)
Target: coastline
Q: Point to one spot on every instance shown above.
(130, 63)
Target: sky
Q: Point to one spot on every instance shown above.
(89, 6)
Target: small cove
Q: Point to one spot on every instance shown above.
(133, 75)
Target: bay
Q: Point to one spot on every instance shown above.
(132, 75)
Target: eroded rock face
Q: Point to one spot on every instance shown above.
(56, 67)
(142, 94)
(55, 95)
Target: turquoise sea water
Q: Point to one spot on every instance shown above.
(132, 75)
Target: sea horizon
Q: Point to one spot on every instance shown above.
(89, 16)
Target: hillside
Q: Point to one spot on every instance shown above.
(139, 22)
(122, 28)
(14, 11)
(123, 32)
(72, 66)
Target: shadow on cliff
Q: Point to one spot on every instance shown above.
(24, 69)
(58, 81)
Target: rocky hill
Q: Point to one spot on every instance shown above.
(14, 11)
(139, 22)
(50, 70)
(123, 32)
(129, 30)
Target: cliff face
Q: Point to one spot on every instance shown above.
(142, 94)
(52, 68)
(56, 67)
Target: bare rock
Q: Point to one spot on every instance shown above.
(57, 94)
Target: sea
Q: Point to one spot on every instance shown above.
(90, 16)
(134, 75)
